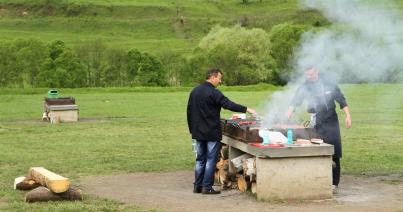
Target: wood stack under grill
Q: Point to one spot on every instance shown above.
(243, 175)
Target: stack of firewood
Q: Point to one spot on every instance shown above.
(242, 174)
(46, 186)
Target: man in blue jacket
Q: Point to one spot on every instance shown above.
(203, 115)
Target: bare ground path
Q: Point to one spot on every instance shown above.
(172, 191)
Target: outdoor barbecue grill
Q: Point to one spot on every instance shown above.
(59, 109)
(247, 130)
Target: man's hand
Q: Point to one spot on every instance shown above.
(348, 121)
(252, 112)
(348, 117)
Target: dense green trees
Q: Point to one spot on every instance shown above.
(284, 39)
(246, 56)
(243, 54)
(33, 63)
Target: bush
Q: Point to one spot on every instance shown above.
(284, 39)
(243, 54)
(145, 69)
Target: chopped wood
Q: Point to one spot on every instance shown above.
(249, 169)
(43, 194)
(25, 183)
(252, 178)
(224, 152)
(53, 181)
(223, 176)
(232, 177)
(218, 165)
(248, 166)
(222, 164)
(254, 188)
(242, 186)
(234, 185)
(237, 162)
(217, 177)
(229, 184)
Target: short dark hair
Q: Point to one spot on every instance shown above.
(213, 72)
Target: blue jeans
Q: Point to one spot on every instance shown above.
(206, 160)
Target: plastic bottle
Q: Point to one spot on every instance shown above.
(194, 149)
(289, 136)
(266, 140)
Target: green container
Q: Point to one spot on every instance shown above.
(53, 94)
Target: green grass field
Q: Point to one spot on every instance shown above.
(149, 26)
(144, 129)
(127, 130)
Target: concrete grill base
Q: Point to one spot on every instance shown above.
(291, 173)
(62, 113)
(294, 178)
(63, 116)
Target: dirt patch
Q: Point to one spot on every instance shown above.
(172, 191)
(40, 122)
(4, 12)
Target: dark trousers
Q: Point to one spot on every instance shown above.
(336, 171)
(206, 160)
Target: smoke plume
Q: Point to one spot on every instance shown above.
(364, 44)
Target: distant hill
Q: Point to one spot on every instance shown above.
(148, 25)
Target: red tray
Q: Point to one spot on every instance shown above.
(259, 145)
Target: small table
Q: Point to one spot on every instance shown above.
(292, 172)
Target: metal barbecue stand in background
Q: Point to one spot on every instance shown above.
(59, 109)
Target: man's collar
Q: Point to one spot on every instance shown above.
(209, 83)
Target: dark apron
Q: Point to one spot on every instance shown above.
(329, 132)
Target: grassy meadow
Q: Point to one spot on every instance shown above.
(144, 129)
(151, 26)
(127, 130)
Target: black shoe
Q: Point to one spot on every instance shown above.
(197, 190)
(210, 191)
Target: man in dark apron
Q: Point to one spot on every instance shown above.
(321, 94)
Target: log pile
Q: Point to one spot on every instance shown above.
(242, 175)
(46, 186)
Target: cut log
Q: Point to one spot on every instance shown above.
(248, 166)
(252, 178)
(222, 164)
(53, 181)
(25, 183)
(242, 186)
(228, 184)
(43, 194)
(217, 176)
(249, 169)
(224, 152)
(223, 176)
(234, 185)
(237, 162)
(253, 188)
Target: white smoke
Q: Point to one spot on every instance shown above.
(364, 44)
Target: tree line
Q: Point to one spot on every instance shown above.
(34, 63)
(246, 56)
